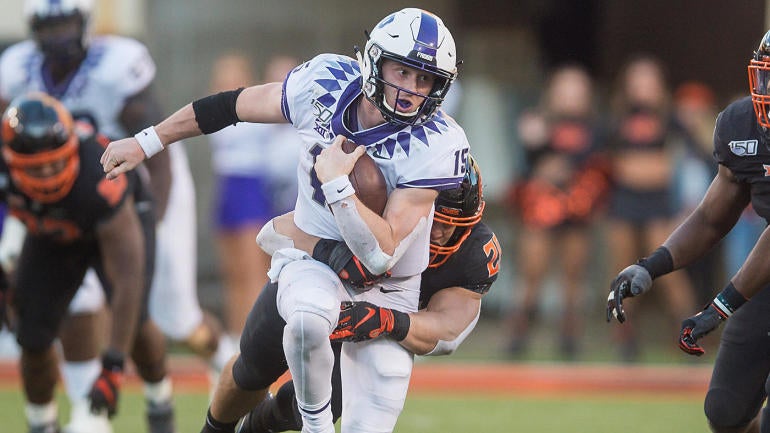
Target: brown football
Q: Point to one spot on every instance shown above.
(368, 181)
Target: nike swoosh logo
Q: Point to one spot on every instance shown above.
(369, 313)
(342, 189)
(384, 290)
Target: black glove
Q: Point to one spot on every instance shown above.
(631, 281)
(697, 326)
(338, 256)
(361, 321)
(106, 389)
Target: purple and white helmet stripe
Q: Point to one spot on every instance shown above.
(427, 39)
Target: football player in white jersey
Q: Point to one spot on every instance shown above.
(107, 81)
(387, 102)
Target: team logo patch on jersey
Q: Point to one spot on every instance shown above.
(743, 147)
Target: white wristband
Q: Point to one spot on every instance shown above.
(337, 189)
(149, 141)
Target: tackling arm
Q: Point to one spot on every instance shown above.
(448, 318)
(121, 242)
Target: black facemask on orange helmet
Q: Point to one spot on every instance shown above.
(40, 147)
(461, 207)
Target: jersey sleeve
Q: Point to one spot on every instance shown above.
(721, 149)
(484, 265)
(12, 68)
(129, 66)
(297, 92)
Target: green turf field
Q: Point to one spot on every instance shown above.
(428, 413)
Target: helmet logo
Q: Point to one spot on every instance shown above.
(427, 57)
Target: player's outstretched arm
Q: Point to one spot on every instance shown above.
(716, 214)
(257, 104)
(753, 276)
(701, 230)
(123, 254)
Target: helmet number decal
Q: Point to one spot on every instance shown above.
(492, 250)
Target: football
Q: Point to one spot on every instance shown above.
(367, 180)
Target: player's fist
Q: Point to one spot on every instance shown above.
(631, 281)
(333, 162)
(697, 326)
(361, 321)
(106, 389)
(121, 156)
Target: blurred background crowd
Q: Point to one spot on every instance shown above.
(591, 122)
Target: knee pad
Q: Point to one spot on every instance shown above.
(257, 374)
(35, 339)
(726, 413)
(307, 328)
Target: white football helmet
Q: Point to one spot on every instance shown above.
(420, 40)
(39, 13)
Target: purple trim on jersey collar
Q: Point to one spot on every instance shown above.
(427, 35)
(73, 84)
(56, 90)
(368, 136)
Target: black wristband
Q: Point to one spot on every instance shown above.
(401, 323)
(658, 263)
(729, 300)
(216, 111)
(113, 360)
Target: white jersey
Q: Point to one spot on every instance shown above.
(316, 97)
(115, 68)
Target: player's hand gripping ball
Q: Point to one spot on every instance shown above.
(367, 180)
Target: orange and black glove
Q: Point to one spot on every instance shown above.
(106, 389)
(361, 321)
(338, 256)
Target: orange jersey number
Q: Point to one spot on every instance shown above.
(493, 251)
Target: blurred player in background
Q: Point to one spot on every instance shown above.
(75, 219)
(106, 81)
(740, 381)
(387, 103)
(465, 261)
(251, 187)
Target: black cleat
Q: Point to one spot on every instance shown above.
(160, 417)
(268, 418)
